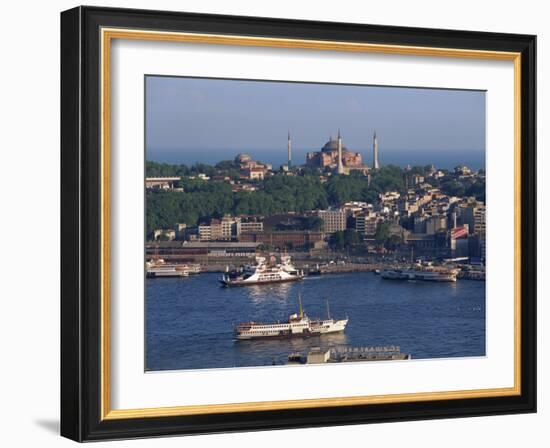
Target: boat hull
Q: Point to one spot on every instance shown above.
(421, 276)
(288, 335)
(169, 274)
(444, 278)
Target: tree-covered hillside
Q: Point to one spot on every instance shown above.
(202, 200)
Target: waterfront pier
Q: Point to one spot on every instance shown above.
(318, 355)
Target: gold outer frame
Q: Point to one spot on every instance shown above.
(107, 35)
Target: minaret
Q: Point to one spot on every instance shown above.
(340, 164)
(289, 149)
(375, 163)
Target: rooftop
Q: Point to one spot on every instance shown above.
(332, 145)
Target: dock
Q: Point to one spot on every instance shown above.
(318, 355)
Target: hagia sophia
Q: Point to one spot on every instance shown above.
(335, 156)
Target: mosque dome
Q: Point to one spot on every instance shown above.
(243, 158)
(332, 145)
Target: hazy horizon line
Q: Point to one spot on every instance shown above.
(399, 157)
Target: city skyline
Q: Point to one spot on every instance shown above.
(191, 120)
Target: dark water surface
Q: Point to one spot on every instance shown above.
(189, 322)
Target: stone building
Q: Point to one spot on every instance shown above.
(250, 168)
(333, 220)
(328, 157)
(366, 224)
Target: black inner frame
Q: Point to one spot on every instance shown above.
(81, 221)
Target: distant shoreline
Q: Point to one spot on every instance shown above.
(441, 159)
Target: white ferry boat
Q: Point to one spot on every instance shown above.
(158, 268)
(298, 325)
(263, 273)
(166, 271)
(424, 273)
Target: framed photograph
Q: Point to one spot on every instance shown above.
(273, 223)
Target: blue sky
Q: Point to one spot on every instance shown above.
(188, 119)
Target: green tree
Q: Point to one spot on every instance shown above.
(344, 239)
(312, 223)
(388, 178)
(351, 238)
(420, 170)
(382, 232)
(453, 188)
(337, 240)
(390, 235)
(227, 165)
(477, 189)
(156, 169)
(342, 189)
